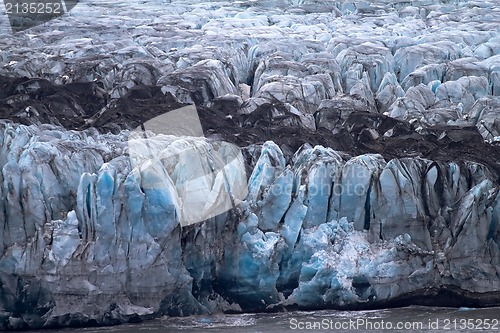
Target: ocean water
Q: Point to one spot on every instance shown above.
(406, 319)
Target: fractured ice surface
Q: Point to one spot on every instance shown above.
(89, 236)
(200, 51)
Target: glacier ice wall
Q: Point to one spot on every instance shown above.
(86, 241)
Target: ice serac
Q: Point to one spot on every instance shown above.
(321, 229)
(97, 251)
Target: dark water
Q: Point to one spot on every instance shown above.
(409, 319)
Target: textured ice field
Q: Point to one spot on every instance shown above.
(418, 60)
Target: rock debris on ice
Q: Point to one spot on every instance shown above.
(350, 150)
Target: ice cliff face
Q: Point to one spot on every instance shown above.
(369, 173)
(424, 61)
(87, 240)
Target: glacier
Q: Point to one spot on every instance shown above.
(344, 155)
(99, 245)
